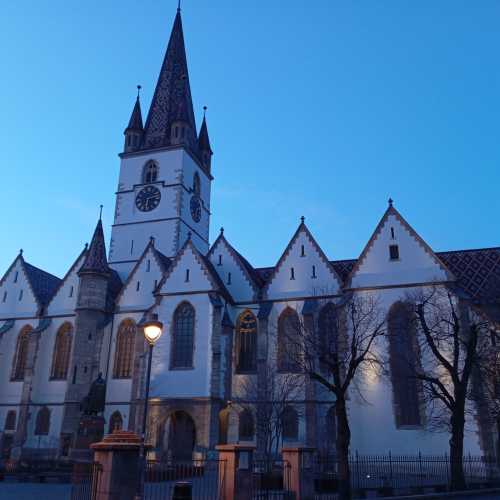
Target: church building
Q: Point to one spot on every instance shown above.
(221, 315)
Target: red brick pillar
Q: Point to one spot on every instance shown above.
(118, 455)
(301, 476)
(236, 471)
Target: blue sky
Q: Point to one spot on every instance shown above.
(322, 109)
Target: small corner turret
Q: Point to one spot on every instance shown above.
(135, 130)
(204, 144)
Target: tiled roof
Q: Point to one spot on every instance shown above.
(95, 260)
(135, 122)
(343, 267)
(477, 271)
(43, 283)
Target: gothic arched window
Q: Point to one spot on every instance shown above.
(290, 423)
(196, 184)
(21, 354)
(289, 349)
(115, 422)
(62, 351)
(42, 424)
(150, 173)
(183, 336)
(331, 428)
(246, 425)
(328, 329)
(124, 351)
(10, 421)
(403, 359)
(246, 342)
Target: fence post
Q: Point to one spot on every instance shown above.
(118, 455)
(235, 471)
(300, 459)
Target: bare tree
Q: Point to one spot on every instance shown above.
(451, 345)
(334, 351)
(271, 400)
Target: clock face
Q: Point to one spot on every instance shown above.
(195, 206)
(148, 198)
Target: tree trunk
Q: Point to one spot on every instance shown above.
(457, 421)
(343, 442)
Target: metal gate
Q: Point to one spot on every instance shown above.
(271, 480)
(84, 481)
(205, 478)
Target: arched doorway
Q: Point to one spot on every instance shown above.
(179, 436)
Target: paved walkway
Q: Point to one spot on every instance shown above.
(33, 491)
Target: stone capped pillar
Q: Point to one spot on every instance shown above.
(235, 476)
(301, 477)
(118, 456)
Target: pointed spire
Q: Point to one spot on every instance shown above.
(95, 260)
(172, 98)
(135, 122)
(203, 139)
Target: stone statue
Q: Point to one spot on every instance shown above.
(93, 403)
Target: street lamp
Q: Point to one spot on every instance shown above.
(152, 332)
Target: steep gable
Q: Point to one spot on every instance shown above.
(412, 260)
(138, 290)
(18, 297)
(302, 270)
(239, 277)
(192, 272)
(64, 298)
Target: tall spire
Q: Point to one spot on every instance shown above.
(95, 261)
(171, 102)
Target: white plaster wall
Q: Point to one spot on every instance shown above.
(239, 288)
(64, 301)
(415, 265)
(304, 284)
(12, 307)
(176, 281)
(133, 299)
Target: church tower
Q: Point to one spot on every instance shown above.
(165, 172)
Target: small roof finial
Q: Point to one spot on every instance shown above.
(152, 240)
(86, 246)
(139, 87)
(221, 230)
(20, 251)
(204, 111)
(100, 212)
(179, 6)
(189, 235)
(390, 201)
(302, 219)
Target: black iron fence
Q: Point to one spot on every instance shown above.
(201, 477)
(271, 480)
(84, 481)
(404, 474)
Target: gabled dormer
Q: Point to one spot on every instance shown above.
(25, 289)
(138, 291)
(65, 297)
(192, 272)
(302, 270)
(396, 255)
(237, 274)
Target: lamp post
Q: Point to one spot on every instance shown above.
(152, 332)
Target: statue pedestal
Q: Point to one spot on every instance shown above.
(90, 430)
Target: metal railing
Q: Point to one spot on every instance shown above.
(204, 475)
(404, 473)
